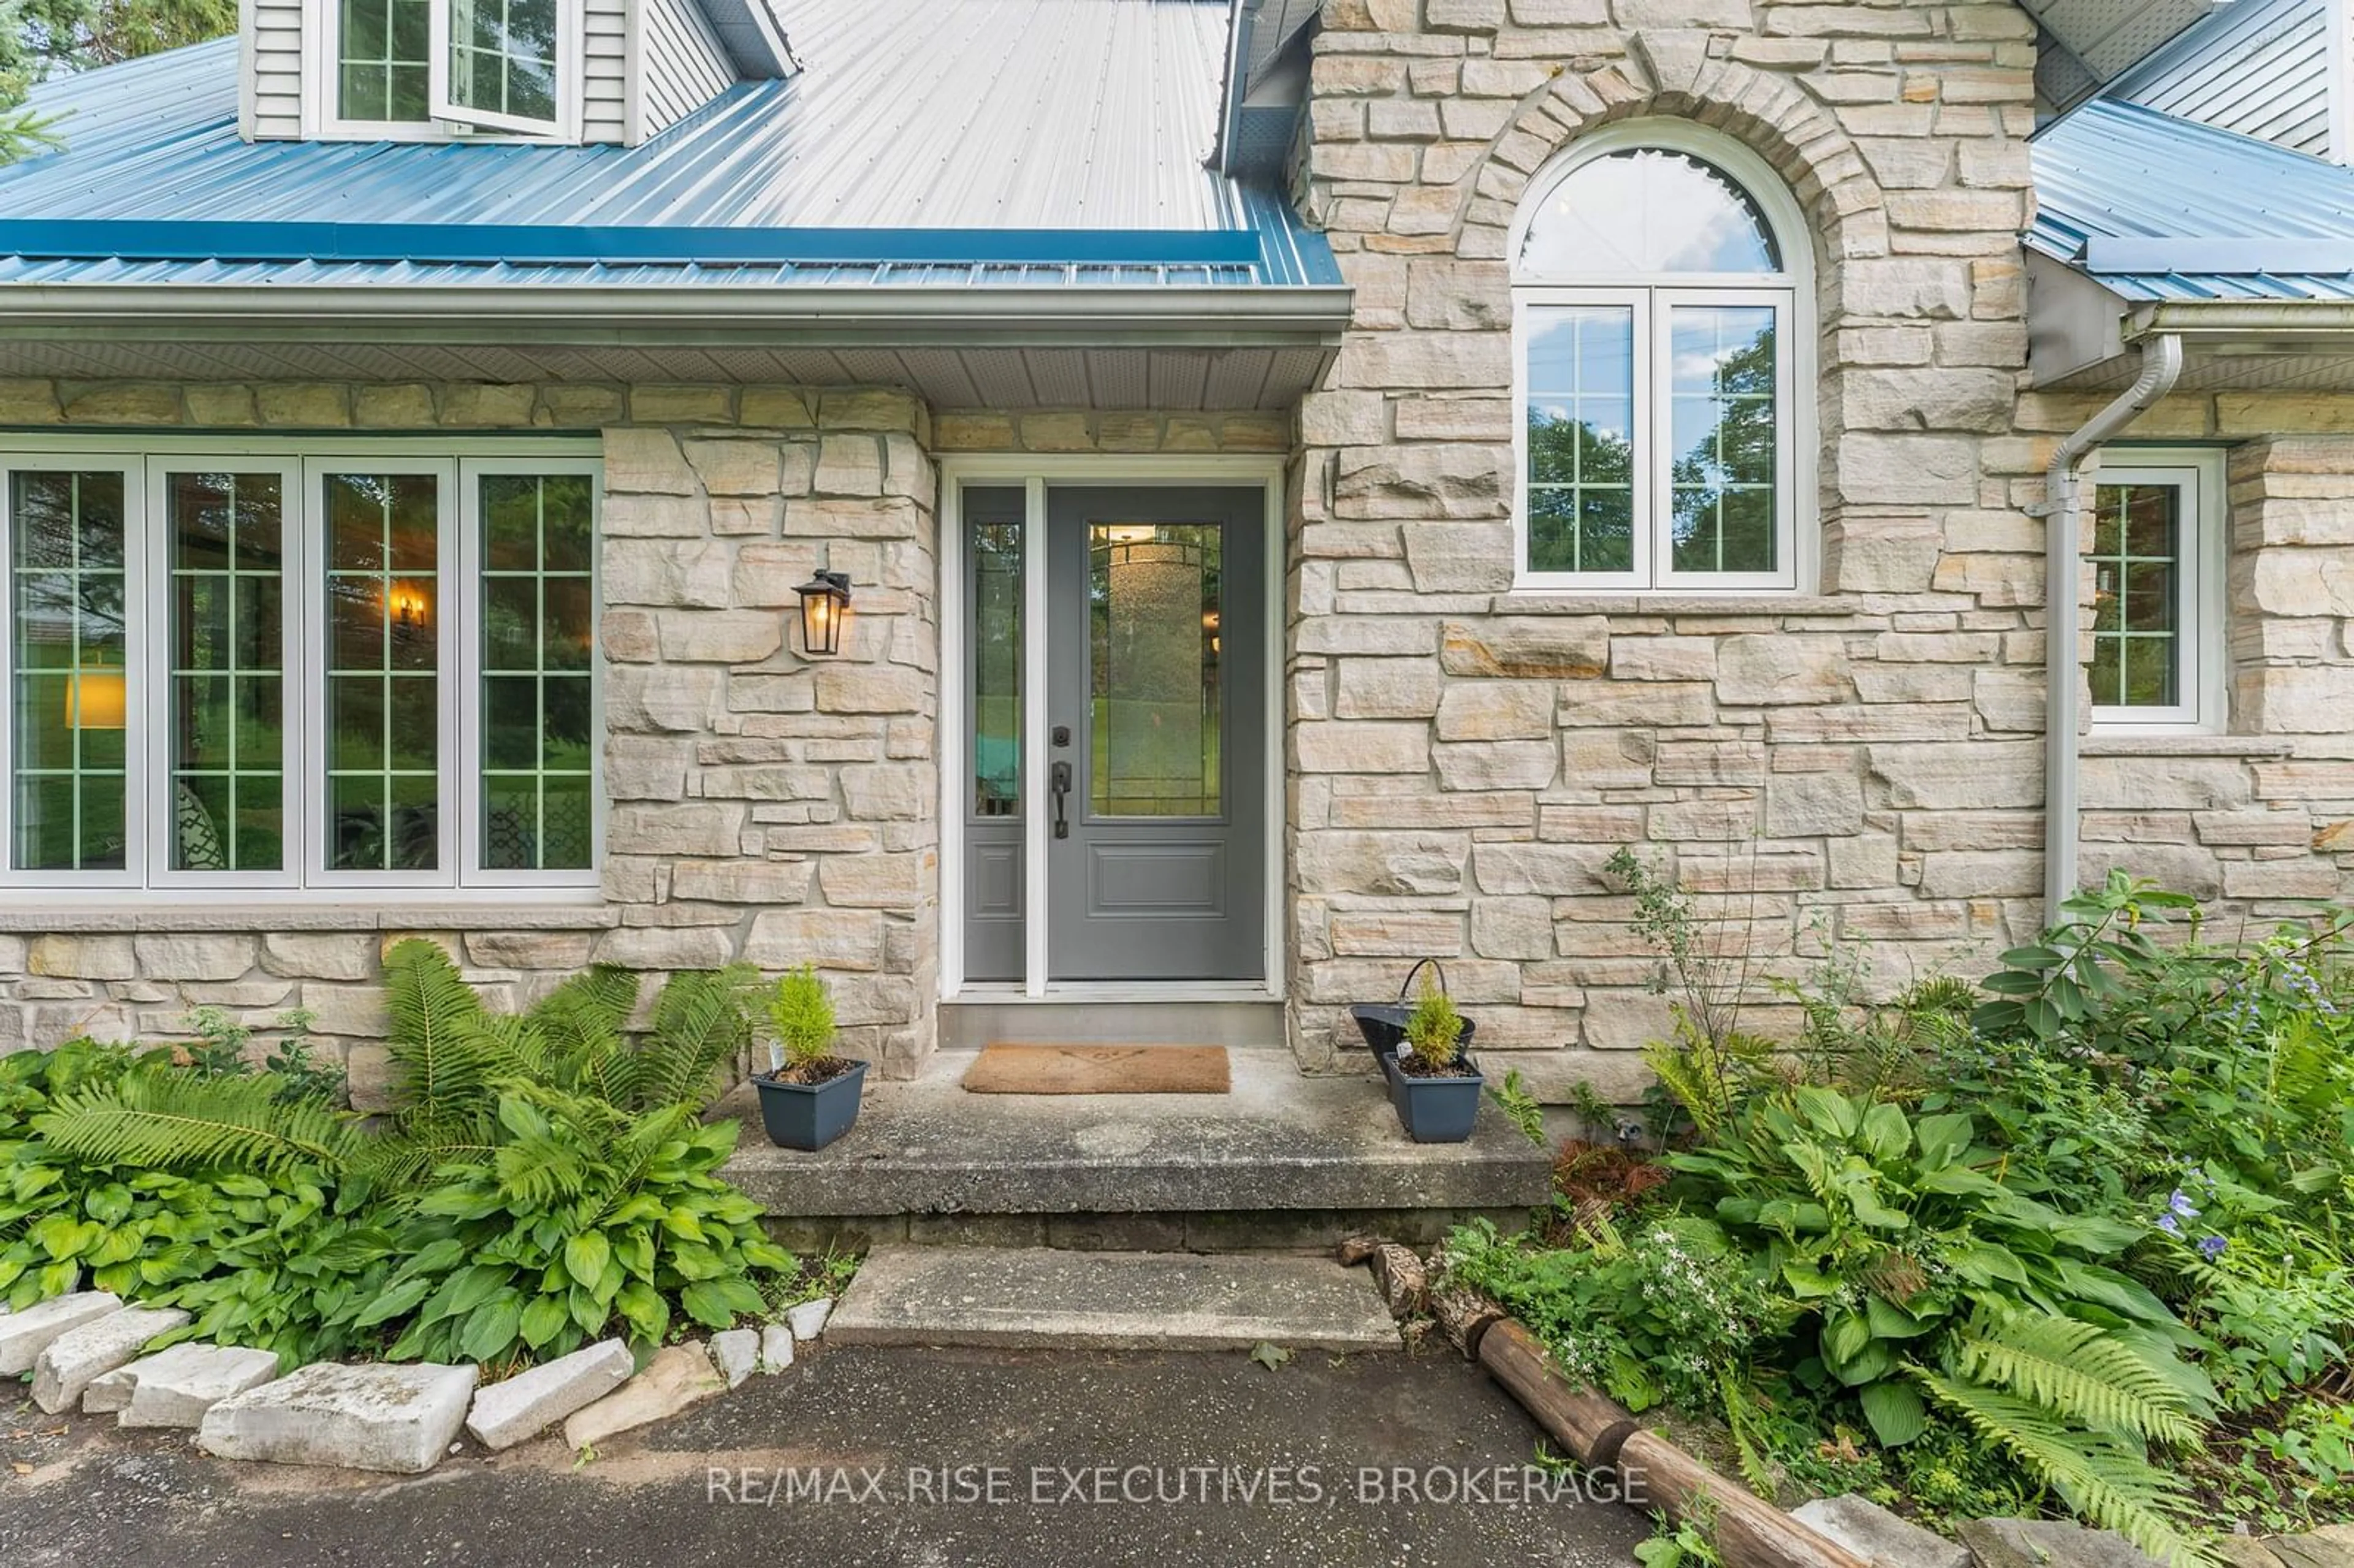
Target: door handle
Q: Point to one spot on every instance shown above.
(1061, 789)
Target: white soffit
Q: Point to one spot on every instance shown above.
(2099, 40)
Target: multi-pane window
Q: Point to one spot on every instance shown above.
(293, 670)
(2156, 616)
(225, 564)
(69, 601)
(1655, 310)
(501, 62)
(384, 60)
(495, 65)
(538, 723)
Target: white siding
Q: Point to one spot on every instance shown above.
(681, 64)
(605, 70)
(271, 93)
(2258, 67)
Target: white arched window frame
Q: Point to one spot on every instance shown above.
(1649, 301)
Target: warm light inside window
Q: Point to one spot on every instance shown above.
(95, 699)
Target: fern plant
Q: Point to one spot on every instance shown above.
(2077, 1407)
(522, 1153)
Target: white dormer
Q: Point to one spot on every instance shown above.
(564, 71)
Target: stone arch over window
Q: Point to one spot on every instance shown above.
(1663, 326)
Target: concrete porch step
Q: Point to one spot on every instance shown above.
(1131, 1171)
(1045, 1298)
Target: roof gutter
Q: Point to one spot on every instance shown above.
(723, 314)
(2064, 506)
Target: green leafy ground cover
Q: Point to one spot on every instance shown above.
(2073, 1240)
(543, 1181)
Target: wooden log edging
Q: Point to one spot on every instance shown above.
(1653, 1473)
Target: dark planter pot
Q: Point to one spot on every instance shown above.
(1383, 1023)
(809, 1116)
(1436, 1111)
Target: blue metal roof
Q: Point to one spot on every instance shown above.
(953, 142)
(2161, 209)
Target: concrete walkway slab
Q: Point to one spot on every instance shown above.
(1280, 1141)
(1033, 1297)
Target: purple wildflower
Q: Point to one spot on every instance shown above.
(2211, 1247)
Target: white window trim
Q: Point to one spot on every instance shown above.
(1791, 291)
(323, 120)
(458, 876)
(2197, 473)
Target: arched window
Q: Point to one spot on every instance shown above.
(1658, 310)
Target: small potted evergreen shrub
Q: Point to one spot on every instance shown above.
(808, 1096)
(1423, 1052)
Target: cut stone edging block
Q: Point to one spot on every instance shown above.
(176, 1386)
(25, 1335)
(2047, 1544)
(379, 1416)
(72, 1361)
(678, 1378)
(507, 1412)
(1881, 1538)
(736, 1353)
(808, 1319)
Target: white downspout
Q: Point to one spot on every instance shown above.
(2063, 505)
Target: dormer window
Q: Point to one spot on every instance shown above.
(415, 69)
(383, 64)
(556, 72)
(494, 63)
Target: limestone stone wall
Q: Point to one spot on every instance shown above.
(1859, 761)
(761, 805)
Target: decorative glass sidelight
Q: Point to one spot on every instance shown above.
(1154, 596)
(994, 517)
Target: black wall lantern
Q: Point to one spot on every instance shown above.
(825, 604)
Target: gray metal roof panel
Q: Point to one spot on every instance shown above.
(950, 132)
(2118, 172)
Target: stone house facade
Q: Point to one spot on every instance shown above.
(1853, 754)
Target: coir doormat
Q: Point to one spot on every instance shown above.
(1007, 1069)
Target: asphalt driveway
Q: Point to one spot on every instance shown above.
(881, 1457)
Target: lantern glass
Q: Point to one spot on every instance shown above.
(825, 603)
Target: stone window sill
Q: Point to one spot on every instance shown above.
(1538, 601)
(95, 917)
(2161, 744)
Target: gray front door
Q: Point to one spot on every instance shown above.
(1156, 694)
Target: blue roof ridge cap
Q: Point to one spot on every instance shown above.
(298, 240)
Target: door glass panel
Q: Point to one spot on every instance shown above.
(1581, 414)
(66, 609)
(383, 671)
(226, 533)
(1723, 391)
(2136, 595)
(539, 742)
(1154, 602)
(994, 516)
